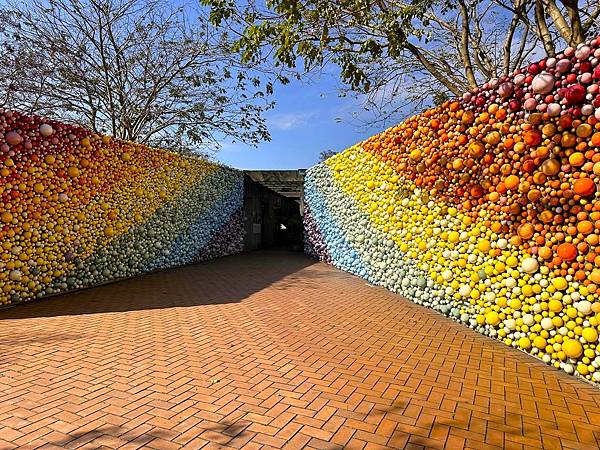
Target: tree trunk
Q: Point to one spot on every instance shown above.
(464, 46)
(543, 31)
(577, 33)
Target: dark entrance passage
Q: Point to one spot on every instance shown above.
(272, 218)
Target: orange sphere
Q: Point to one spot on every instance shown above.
(511, 182)
(526, 231)
(550, 167)
(577, 159)
(584, 186)
(476, 149)
(545, 252)
(532, 137)
(568, 140)
(585, 227)
(566, 251)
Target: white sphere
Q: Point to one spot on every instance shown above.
(15, 275)
(583, 52)
(543, 83)
(547, 323)
(528, 319)
(530, 265)
(46, 130)
(584, 307)
(554, 109)
(502, 243)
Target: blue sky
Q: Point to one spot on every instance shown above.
(302, 124)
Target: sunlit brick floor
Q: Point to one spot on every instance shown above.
(271, 350)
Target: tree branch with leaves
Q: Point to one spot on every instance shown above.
(410, 50)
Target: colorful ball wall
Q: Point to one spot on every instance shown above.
(78, 209)
(486, 208)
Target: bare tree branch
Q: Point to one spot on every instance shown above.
(432, 69)
(138, 69)
(591, 20)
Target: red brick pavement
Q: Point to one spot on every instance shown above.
(271, 350)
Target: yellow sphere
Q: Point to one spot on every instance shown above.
(492, 318)
(527, 290)
(512, 261)
(590, 334)
(515, 304)
(453, 237)
(539, 342)
(582, 369)
(484, 246)
(572, 348)
(571, 312)
(559, 283)
(555, 306)
(525, 343)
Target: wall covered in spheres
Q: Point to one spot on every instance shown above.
(78, 209)
(486, 209)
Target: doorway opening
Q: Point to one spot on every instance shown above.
(273, 209)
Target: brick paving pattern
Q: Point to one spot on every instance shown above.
(271, 350)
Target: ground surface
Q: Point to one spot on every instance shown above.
(268, 350)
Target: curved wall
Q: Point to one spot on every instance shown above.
(78, 209)
(486, 209)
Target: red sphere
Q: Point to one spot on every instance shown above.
(571, 78)
(514, 105)
(575, 94)
(534, 69)
(585, 66)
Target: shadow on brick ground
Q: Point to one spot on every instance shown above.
(144, 435)
(226, 280)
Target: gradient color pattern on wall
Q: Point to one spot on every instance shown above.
(78, 209)
(485, 208)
